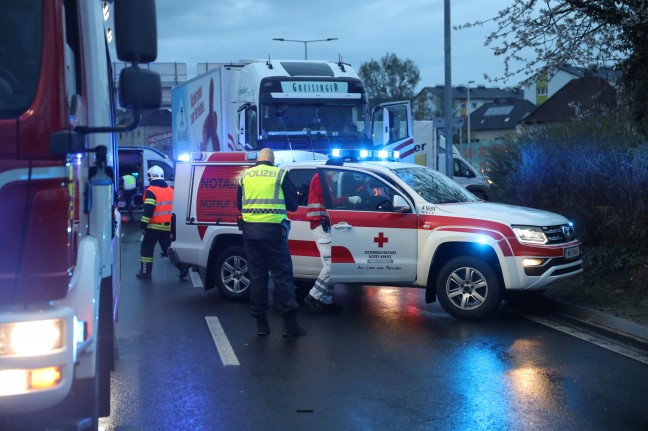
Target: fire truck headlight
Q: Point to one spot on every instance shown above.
(530, 234)
(38, 337)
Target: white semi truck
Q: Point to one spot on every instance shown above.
(305, 105)
(285, 105)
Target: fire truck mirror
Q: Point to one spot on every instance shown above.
(66, 142)
(136, 30)
(139, 89)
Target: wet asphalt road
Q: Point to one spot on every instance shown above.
(387, 362)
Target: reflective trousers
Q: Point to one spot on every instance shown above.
(151, 238)
(322, 290)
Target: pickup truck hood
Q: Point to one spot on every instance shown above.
(508, 214)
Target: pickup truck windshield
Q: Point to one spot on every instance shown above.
(20, 53)
(434, 187)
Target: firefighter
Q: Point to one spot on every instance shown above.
(263, 196)
(155, 223)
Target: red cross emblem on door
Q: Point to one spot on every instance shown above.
(381, 239)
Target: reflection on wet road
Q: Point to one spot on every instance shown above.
(387, 361)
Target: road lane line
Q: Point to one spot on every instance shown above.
(627, 352)
(227, 355)
(195, 279)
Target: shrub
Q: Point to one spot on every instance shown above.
(593, 171)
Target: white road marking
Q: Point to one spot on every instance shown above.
(625, 351)
(195, 279)
(228, 357)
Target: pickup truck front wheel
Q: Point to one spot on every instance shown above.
(468, 288)
(232, 280)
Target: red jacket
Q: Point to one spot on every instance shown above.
(316, 205)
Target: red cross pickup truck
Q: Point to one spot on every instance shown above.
(414, 227)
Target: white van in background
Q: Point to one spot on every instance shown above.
(137, 161)
(425, 152)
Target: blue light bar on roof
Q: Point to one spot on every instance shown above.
(364, 154)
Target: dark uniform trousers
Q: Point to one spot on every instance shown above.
(147, 248)
(266, 247)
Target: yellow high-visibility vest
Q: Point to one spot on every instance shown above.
(129, 182)
(263, 199)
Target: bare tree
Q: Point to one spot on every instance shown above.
(537, 37)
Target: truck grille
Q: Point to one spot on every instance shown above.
(559, 234)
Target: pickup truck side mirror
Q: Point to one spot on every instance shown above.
(401, 205)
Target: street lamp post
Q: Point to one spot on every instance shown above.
(468, 118)
(305, 42)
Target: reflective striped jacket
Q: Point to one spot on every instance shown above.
(160, 200)
(262, 199)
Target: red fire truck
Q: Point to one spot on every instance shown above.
(60, 230)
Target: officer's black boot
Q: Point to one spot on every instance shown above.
(291, 327)
(263, 328)
(145, 271)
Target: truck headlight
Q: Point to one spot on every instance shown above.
(33, 338)
(530, 234)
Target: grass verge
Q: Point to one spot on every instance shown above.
(613, 281)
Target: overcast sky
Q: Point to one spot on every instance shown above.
(193, 31)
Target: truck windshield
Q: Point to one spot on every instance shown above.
(341, 122)
(433, 186)
(20, 52)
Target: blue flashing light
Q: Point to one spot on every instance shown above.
(364, 154)
(482, 239)
(184, 157)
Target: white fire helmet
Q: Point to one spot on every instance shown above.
(155, 173)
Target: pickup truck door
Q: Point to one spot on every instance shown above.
(391, 128)
(372, 242)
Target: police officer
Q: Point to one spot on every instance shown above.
(264, 194)
(156, 220)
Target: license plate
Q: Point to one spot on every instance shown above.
(572, 252)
